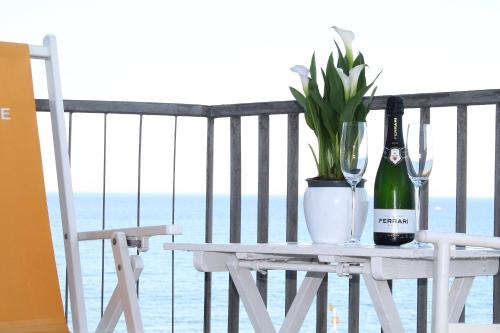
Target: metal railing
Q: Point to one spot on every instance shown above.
(461, 100)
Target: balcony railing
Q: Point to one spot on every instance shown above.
(424, 102)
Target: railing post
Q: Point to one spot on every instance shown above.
(235, 218)
(425, 118)
(321, 306)
(353, 319)
(461, 188)
(103, 216)
(209, 202)
(263, 197)
(496, 279)
(292, 202)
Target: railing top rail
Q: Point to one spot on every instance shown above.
(118, 107)
(439, 99)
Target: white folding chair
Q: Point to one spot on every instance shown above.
(128, 268)
(440, 291)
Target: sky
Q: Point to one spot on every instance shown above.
(218, 52)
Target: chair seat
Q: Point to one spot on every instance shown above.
(479, 328)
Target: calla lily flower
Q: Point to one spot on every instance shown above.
(347, 38)
(303, 72)
(345, 82)
(350, 82)
(354, 76)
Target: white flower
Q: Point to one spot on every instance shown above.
(354, 76)
(345, 82)
(350, 82)
(303, 72)
(347, 38)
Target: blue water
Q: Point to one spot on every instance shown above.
(156, 279)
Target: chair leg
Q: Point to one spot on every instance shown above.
(114, 309)
(440, 288)
(126, 283)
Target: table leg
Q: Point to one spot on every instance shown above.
(302, 302)
(458, 296)
(256, 309)
(383, 302)
(250, 296)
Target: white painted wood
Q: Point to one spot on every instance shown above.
(458, 296)
(473, 328)
(250, 296)
(459, 239)
(361, 251)
(126, 282)
(440, 288)
(384, 305)
(114, 309)
(388, 268)
(39, 52)
(386, 262)
(211, 261)
(139, 232)
(342, 269)
(302, 302)
(447, 306)
(49, 53)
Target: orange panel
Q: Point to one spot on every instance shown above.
(29, 288)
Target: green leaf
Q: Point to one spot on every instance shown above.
(361, 112)
(309, 121)
(336, 96)
(359, 60)
(352, 104)
(375, 79)
(361, 80)
(315, 157)
(370, 100)
(312, 68)
(326, 91)
(342, 61)
(329, 65)
(363, 109)
(362, 76)
(312, 117)
(325, 113)
(301, 99)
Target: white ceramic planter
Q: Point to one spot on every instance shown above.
(328, 212)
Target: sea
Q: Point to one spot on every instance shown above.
(158, 277)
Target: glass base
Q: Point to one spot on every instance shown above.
(416, 245)
(352, 242)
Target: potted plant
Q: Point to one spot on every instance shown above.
(327, 199)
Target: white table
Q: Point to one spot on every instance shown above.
(376, 264)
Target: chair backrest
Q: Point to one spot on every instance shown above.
(29, 288)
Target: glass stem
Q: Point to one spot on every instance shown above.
(417, 209)
(353, 228)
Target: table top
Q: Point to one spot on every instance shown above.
(307, 249)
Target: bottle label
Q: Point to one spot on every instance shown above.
(394, 221)
(394, 155)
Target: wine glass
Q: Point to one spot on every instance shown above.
(353, 161)
(418, 161)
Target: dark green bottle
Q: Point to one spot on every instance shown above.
(394, 196)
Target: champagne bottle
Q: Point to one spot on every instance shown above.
(394, 198)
